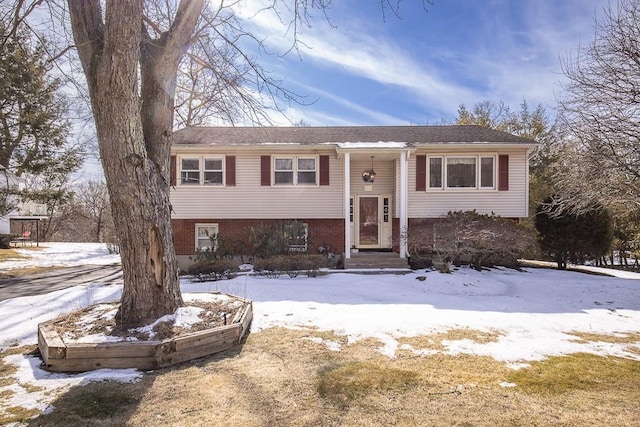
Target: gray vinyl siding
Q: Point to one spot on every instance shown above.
(248, 199)
(434, 203)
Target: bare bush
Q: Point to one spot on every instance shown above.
(469, 237)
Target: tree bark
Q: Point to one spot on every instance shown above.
(134, 138)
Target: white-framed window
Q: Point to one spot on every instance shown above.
(435, 172)
(206, 236)
(307, 170)
(202, 170)
(283, 170)
(461, 172)
(190, 170)
(488, 172)
(296, 235)
(213, 170)
(294, 170)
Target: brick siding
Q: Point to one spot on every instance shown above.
(322, 232)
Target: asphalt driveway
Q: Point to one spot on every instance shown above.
(42, 283)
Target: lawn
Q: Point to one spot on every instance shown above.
(498, 347)
(288, 377)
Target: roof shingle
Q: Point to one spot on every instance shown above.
(201, 135)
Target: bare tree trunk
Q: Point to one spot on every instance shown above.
(135, 140)
(98, 227)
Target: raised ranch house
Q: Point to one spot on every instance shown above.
(354, 188)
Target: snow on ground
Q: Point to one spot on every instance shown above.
(55, 254)
(533, 313)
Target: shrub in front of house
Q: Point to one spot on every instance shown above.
(214, 269)
(573, 237)
(222, 247)
(270, 267)
(268, 240)
(292, 265)
(467, 237)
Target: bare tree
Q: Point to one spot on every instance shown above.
(600, 112)
(92, 203)
(131, 52)
(133, 122)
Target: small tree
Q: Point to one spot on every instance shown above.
(626, 242)
(34, 145)
(573, 237)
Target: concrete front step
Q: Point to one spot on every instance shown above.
(375, 260)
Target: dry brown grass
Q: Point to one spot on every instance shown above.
(619, 338)
(434, 342)
(10, 254)
(280, 377)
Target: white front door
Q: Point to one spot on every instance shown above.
(368, 222)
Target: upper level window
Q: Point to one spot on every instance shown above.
(307, 170)
(435, 172)
(213, 171)
(202, 171)
(294, 171)
(487, 172)
(461, 172)
(283, 170)
(190, 171)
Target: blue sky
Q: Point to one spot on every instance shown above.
(363, 68)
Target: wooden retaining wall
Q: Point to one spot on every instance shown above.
(59, 356)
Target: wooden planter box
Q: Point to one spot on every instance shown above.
(59, 356)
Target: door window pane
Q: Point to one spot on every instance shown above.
(369, 227)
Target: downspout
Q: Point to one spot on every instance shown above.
(404, 203)
(347, 204)
(530, 153)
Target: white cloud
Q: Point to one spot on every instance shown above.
(361, 54)
(515, 54)
(373, 116)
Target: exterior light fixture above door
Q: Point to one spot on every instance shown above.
(369, 175)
